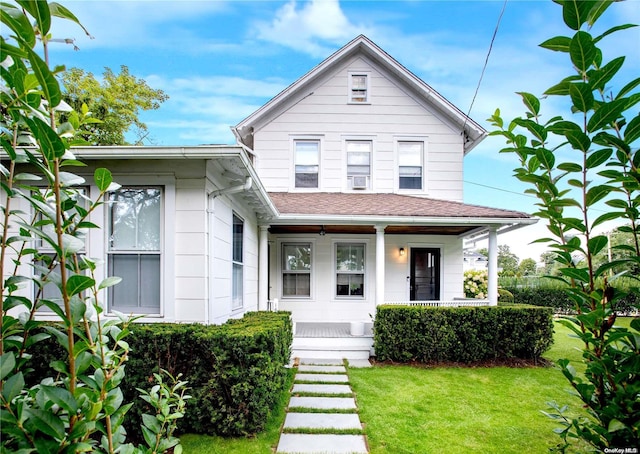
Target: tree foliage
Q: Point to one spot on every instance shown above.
(81, 407)
(116, 101)
(594, 162)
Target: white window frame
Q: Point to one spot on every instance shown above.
(352, 98)
(349, 178)
(237, 263)
(294, 141)
(283, 270)
(423, 159)
(362, 272)
(167, 226)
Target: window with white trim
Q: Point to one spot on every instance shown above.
(359, 163)
(350, 270)
(307, 162)
(296, 270)
(237, 296)
(358, 88)
(135, 248)
(410, 164)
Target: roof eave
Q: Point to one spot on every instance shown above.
(290, 218)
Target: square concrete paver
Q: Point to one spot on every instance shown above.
(322, 378)
(359, 363)
(323, 389)
(322, 444)
(323, 403)
(341, 421)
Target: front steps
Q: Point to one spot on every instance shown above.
(331, 341)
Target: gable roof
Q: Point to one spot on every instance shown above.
(474, 133)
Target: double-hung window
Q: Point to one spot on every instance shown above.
(410, 164)
(350, 269)
(358, 163)
(307, 162)
(358, 88)
(238, 263)
(134, 248)
(296, 270)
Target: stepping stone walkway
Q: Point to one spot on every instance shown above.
(330, 420)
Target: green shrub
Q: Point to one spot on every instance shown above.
(557, 299)
(462, 334)
(235, 371)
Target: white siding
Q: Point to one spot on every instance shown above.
(391, 115)
(323, 305)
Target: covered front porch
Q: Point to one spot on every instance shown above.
(351, 340)
(332, 258)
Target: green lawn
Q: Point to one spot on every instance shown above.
(423, 410)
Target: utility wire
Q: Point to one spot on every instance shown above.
(486, 62)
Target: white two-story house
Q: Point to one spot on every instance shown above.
(343, 192)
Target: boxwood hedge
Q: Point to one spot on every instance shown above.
(236, 371)
(462, 334)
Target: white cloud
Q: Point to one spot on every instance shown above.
(315, 28)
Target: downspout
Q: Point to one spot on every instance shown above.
(233, 189)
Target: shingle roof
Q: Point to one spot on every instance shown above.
(341, 204)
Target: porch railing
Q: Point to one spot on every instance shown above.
(448, 303)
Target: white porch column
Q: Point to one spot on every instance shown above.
(493, 266)
(380, 257)
(263, 268)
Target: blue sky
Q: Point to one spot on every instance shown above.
(220, 60)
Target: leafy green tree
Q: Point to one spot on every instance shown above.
(594, 161)
(622, 244)
(550, 265)
(507, 260)
(527, 267)
(80, 408)
(117, 102)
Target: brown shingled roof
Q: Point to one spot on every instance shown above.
(337, 204)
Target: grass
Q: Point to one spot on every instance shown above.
(409, 409)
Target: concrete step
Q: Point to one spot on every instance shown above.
(322, 378)
(322, 444)
(337, 347)
(320, 361)
(323, 403)
(339, 421)
(322, 369)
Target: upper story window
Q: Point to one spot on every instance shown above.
(296, 270)
(358, 88)
(359, 163)
(135, 248)
(307, 162)
(237, 296)
(410, 165)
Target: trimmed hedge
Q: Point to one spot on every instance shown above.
(236, 371)
(557, 299)
(461, 334)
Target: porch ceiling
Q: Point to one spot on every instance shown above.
(370, 229)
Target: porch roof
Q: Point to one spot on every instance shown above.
(355, 204)
(333, 212)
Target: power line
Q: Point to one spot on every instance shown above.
(486, 62)
(499, 189)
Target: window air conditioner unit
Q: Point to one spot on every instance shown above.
(359, 183)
